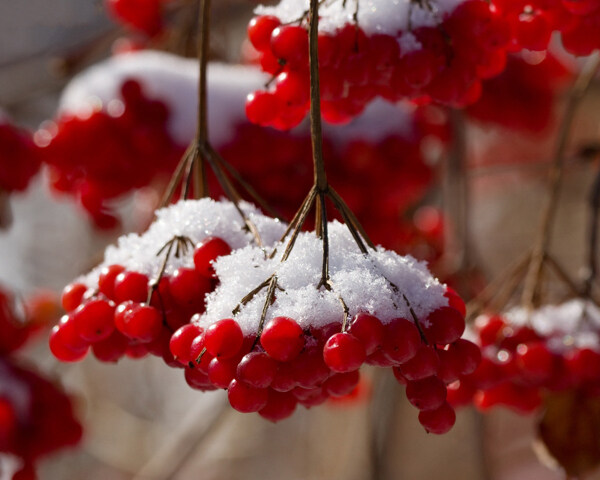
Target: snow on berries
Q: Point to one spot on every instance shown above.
(150, 285)
(438, 50)
(383, 309)
(526, 357)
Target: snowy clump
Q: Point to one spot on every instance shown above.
(173, 80)
(194, 219)
(374, 16)
(573, 324)
(363, 281)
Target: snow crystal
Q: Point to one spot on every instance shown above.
(572, 324)
(195, 219)
(374, 16)
(362, 281)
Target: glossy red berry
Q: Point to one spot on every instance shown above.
(369, 330)
(257, 369)
(426, 394)
(343, 352)
(130, 286)
(279, 406)
(282, 338)
(224, 338)
(245, 398)
(94, 320)
(443, 326)
(424, 364)
(438, 421)
(260, 30)
(207, 252)
(181, 342)
(401, 340)
(72, 296)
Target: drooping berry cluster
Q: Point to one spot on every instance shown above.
(143, 16)
(116, 311)
(555, 349)
(435, 50)
(532, 23)
(304, 354)
(19, 157)
(99, 155)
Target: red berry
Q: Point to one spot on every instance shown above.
(535, 361)
(443, 326)
(94, 320)
(221, 371)
(72, 296)
(369, 330)
(106, 280)
(282, 338)
(224, 338)
(467, 355)
(131, 286)
(144, 323)
(401, 340)
(263, 108)
(455, 301)
(424, 364)
(279, 406)
(343, 352)
(188, 288)
(438, 421)
(290, 43)
(181, 342)
(207, 252)
(257, 369)
(426, 394)
(260, 30)
(246, 399)
(341, 384)
(61, 349)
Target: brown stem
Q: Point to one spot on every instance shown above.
(594, 206)
(540, 248)
(268, 301)
(324, 234)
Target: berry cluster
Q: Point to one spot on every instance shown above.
(143, 16)
(100, 155)
(430, 50)
(532, 23)
(19, 157)
(117, 311)
(556, 349)
(305, 352)
(522, 97)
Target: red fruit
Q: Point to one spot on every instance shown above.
(293, 88)
(144, 323)
(583, 365)
(426, 394)
(467, 356)
(246, 399)
(106, 280)
(455, 301)
(279, 406)
(111, 349)
(290, 43)
(188, 288)
(489, 329)
(198, 380)
(343, 352)
(263, 108)
(94, 320)
(207, 252)
(284, 378)
(535, 361)
(257, 369)
(282, 338)
(221, 371)
(181, 342)
(310, 369)
(224, 338)
(260, 30)
(369, 330)
(72, 296)
(424, 364)
(341, 384)
(443, 326)
(401, 340)
(61, 349)
(130, 286)
(438, 421)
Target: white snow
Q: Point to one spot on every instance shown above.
(174, 80)
(195, 219)
(374, 16)
(362, 281)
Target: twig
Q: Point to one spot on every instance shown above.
(532, 280)
(594, 207)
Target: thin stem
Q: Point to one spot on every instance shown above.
(268, 301)
(594, 203)
(343, 207)
(316, 133)
(325, 239)
(175, 179)
(532, 280)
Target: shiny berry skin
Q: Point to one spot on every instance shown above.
(455, 301)
(246, 399)
(181, 342)
(343, 352)
(130, 286)
(445, 325)
(279, 406)
(260, 30)
(290, 43)
(144, 323)
(426, 394)
(72, 296)
(341, 384)
(401, 340)
(535, 361)
(369, 330)
(263, 108)
(224, 338)
(188, 288)
(106, 280)
(309, 368)
(207, 252)
(256, 369)
(282, 338)
(221, 371)
(94, 320)
(438, 421)
(467, 354)
(424, 364)
(62, 347)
